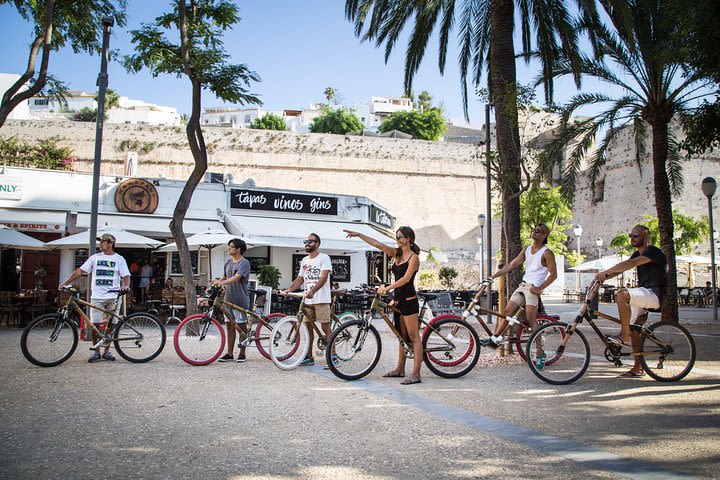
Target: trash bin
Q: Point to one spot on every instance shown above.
(594, 304)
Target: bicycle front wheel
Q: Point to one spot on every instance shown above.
(289, 343)
(354, 350)
(668, 352)
(49, 340)
(523, 333)
(450, 347)
(139, 337)
(199, 339)
(567, 353)
(263, 332)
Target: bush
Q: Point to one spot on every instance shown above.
(339, 121)
(427, 279)
(269, 121)
(46, 154)
(87, 114)
(429, 125)
(447, 276)
(269, 276)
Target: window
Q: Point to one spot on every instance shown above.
(222, 119)
(41, 101)
(599, 191)
(248, 118)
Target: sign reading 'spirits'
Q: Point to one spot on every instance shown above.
(282, 202)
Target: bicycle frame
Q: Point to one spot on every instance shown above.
(73, 304)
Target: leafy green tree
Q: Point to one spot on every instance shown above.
(688, 234)
(447, 276)
(635, 42)
(424, 101)
(427, 125)
(57, 23)
(201, 57)
(338, 120)
(486, 37)
(548, 205)
(269, 121)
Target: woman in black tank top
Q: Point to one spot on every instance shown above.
(405, 266)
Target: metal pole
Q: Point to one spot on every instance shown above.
(482, 254)
(577, 272)
(712, 261)
(102, 83)
(488, 240)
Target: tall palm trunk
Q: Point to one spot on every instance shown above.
(502, 81)
(663, 206)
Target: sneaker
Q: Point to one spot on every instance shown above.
(108, 356)
(334, 360)
(95, 357)
(241, 358)
(540, 361)
(307, 362)
(226, 358)
(488, 342)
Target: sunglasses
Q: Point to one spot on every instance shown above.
(400, 237)
(308, 242)
(634, 235)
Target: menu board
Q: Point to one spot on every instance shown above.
(81, 254)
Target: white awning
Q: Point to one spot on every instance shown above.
(34, 220)
(282, 232)
(147, 225)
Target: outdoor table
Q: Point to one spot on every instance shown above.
(23, 301)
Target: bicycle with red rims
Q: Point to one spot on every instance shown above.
(200, 339)
(520, 338)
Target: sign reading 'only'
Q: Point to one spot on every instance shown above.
(283, 202)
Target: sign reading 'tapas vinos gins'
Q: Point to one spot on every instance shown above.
(282, 202)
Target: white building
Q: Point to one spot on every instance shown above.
(7, 80)
(49, 204)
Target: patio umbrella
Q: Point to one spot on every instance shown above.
(210, 239)
(691, 260)
(433, 254)
(599, 264)
(123, 239)
(10, 238)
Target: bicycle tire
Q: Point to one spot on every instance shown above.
(357, 348)
(139, 337)
(263, 332)
(451, 347)
(199, 339)
(563, 365)
(290, 343)
(670, 362)
(49, 340)
(523, 334)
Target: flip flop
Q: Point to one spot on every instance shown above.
(410, 381)
(631, 374)
(617, 340)
(394, 375)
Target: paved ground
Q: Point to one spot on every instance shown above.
(165, 419)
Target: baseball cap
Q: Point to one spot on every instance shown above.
(106, 237)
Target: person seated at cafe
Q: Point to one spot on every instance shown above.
(146, 272)
(168, 283)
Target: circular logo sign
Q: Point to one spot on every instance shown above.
(136, 195)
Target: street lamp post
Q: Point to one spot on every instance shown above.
(599, 243)
(481, 224)
(709, 185)
(577, 230)
(488, 209)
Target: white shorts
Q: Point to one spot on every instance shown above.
(97, 316)
(641, 299)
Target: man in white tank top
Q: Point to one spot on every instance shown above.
(540, 271)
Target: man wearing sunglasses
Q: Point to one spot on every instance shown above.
(651, 267)
(314, 276)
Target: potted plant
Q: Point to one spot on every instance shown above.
(40, 273)
(269, 276)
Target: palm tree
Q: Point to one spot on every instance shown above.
(633, 42)
(485, 34)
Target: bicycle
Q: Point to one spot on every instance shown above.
(666, 349)
(450, 345)
(52, 338)
(199, 339)
(291, 343)
(523, 332)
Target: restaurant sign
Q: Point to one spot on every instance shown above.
(33, 226)
(381, 218)
(10, 187)
(256, 200)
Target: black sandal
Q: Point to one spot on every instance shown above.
(411, 381)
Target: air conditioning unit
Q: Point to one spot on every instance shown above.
(213, 177)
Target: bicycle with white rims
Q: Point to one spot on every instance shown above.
(290, 338)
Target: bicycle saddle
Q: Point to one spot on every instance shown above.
(427, 296)
(258, 291)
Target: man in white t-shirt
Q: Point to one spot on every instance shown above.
(314, 276)
(108, 271)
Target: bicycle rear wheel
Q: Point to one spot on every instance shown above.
(49, 340)
(354, 350)
(668, 352)
(199, 339)
(139, 337)
(567, 353)
(263, 332)
(450, 347)
(523, 334)
(290, 343)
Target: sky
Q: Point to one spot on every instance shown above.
(298, 48)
